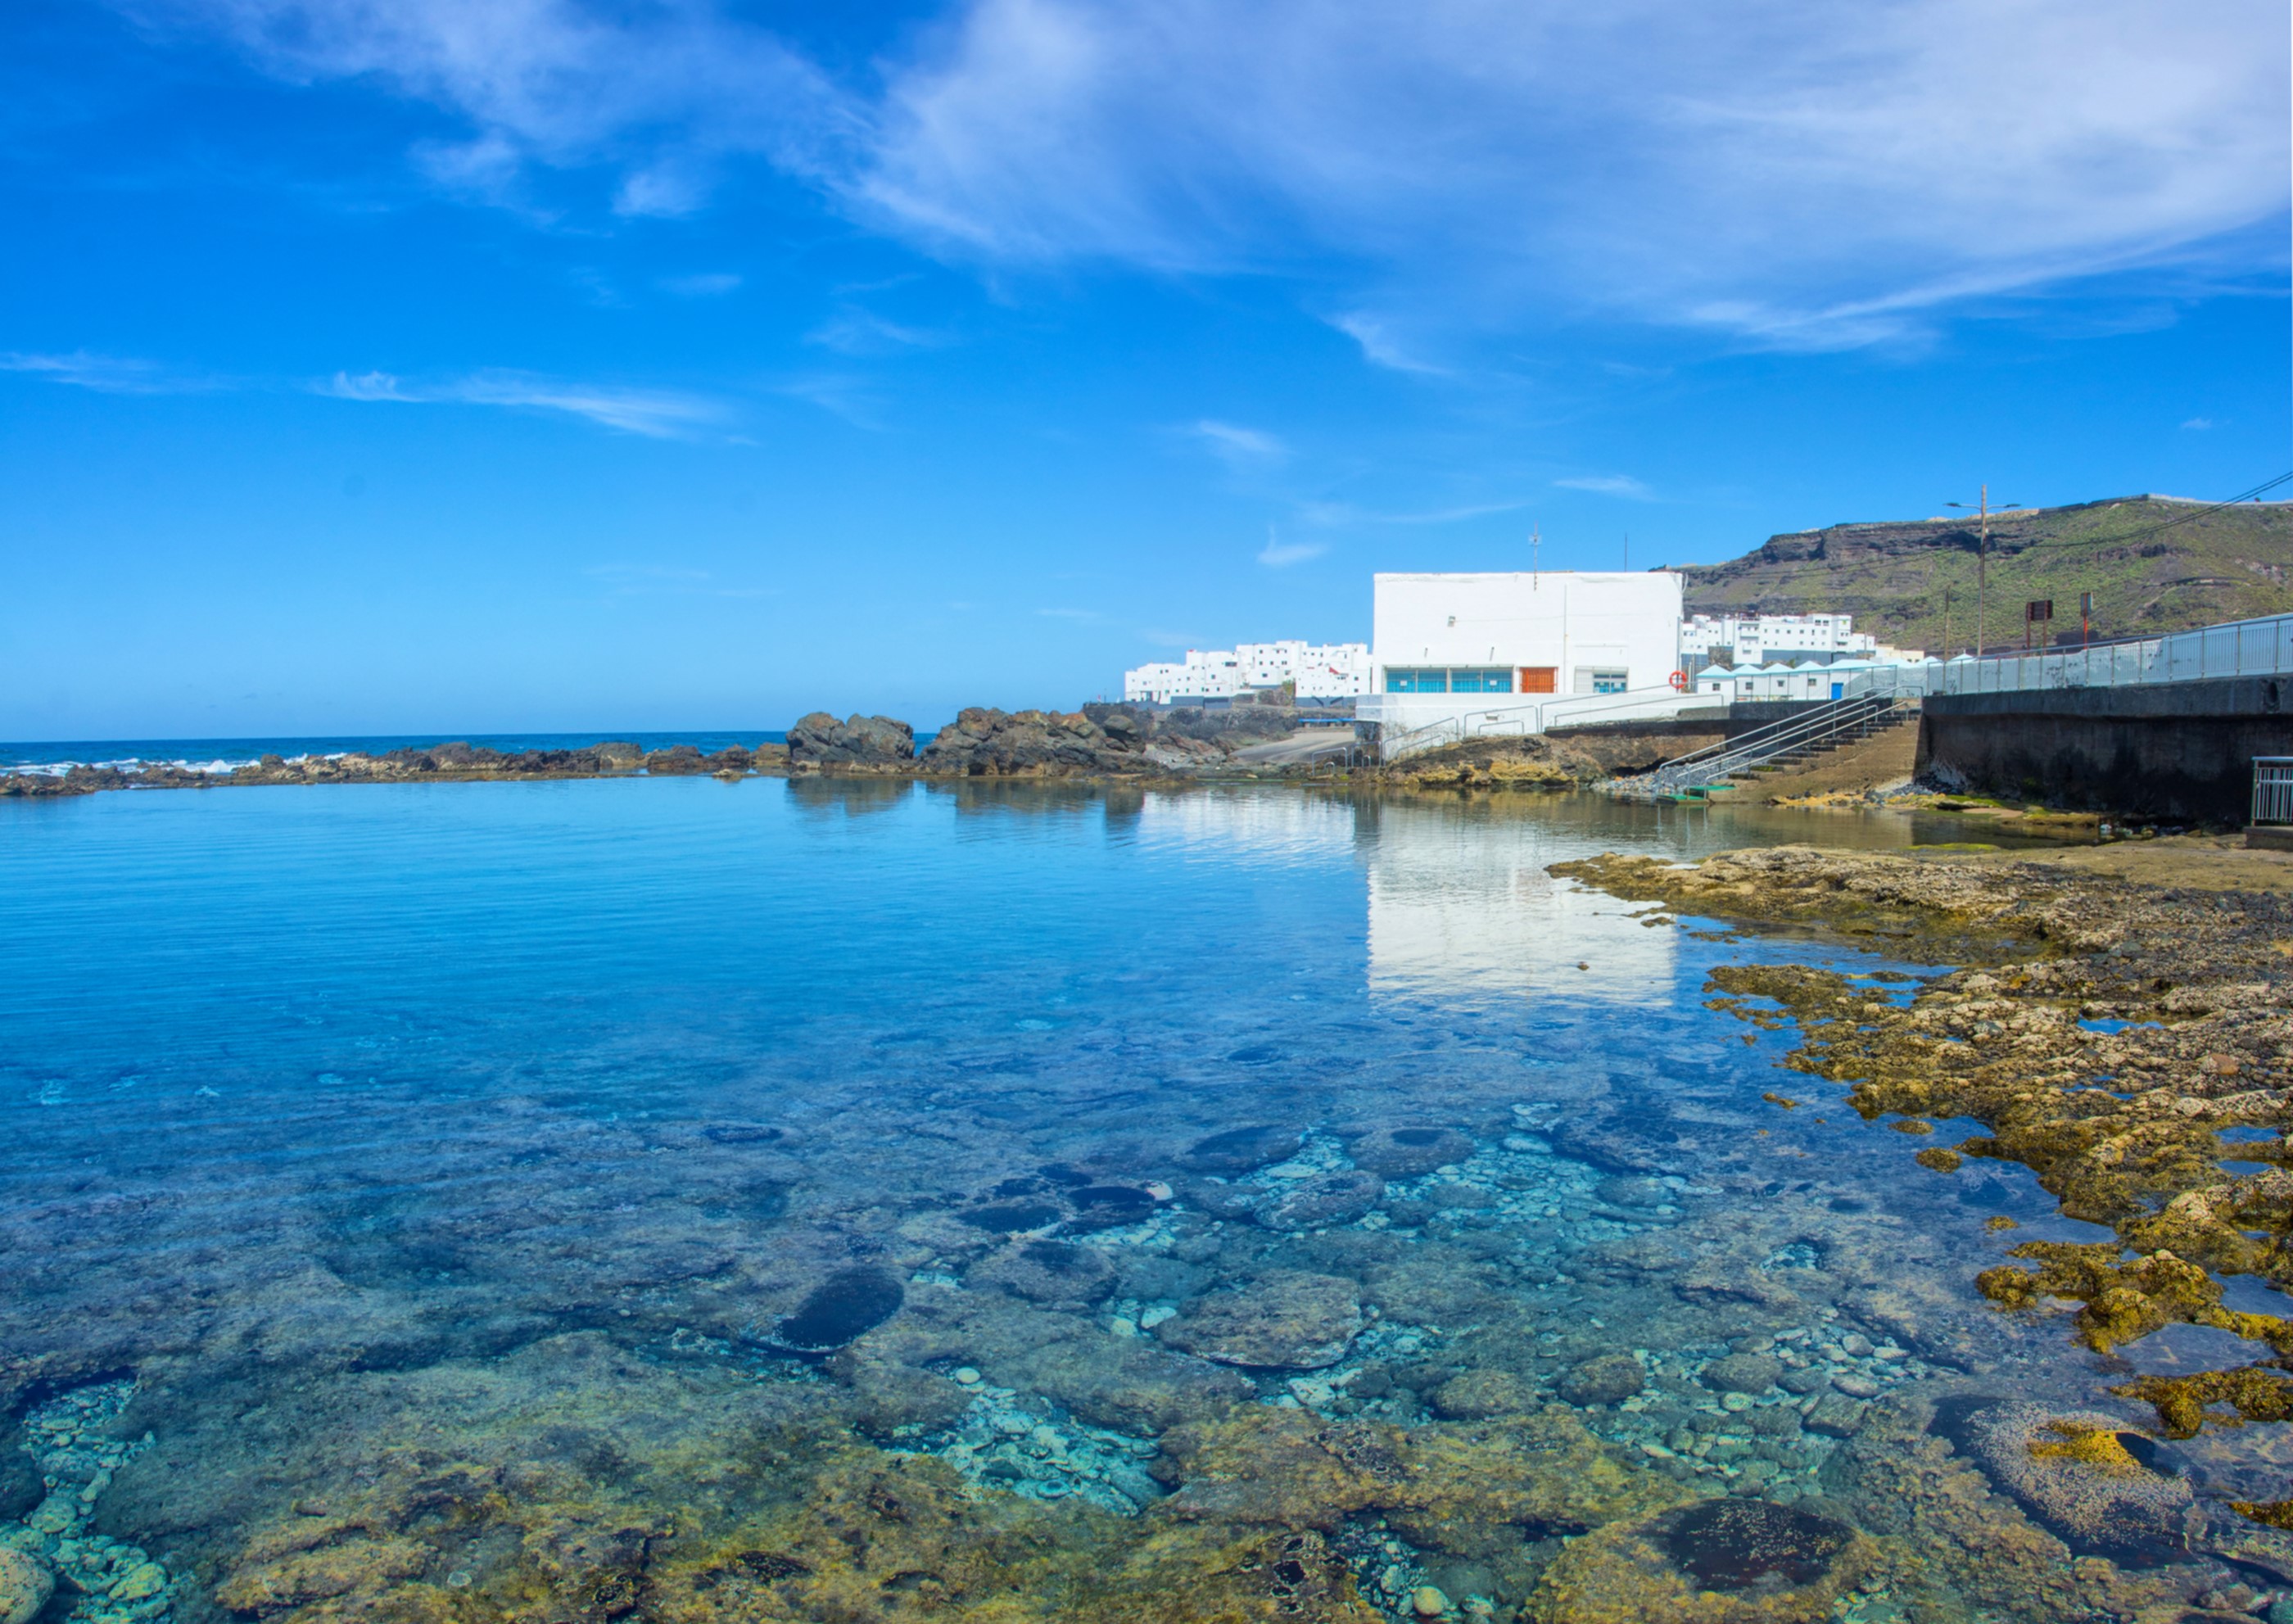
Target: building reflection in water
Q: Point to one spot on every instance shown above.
(1461, 904)
(1459, 901)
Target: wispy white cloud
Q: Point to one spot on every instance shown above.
(705, 285)
(1081, 616)
(1380, 347)
(1609, 484)
(1789, 173)
(2199, 424)
(855, 331)
(840, 394)
(666, 95)
(1280, 555)
(656, 414)
(1238, 444)
(1339, 514)
(110, 374)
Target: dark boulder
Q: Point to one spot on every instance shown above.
(840, 1309)
(863, 744)
(983, 743)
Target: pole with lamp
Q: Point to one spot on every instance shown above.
(1981, 559)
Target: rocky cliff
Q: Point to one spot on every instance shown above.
(2154, 565)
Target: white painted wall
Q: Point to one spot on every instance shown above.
(1575, 621)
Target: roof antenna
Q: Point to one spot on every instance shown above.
(1535, 539)
(1628, 552)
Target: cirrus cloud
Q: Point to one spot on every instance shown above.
(1789, 174)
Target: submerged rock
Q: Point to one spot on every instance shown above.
(1108, 1206)
(1478, 1394)
(1752, 1373)
(25, 1587)
(1052, 1272)
(1287, 1320)
(1609, 1379)
(1313, 1203)
(1725, 1560)
(1409, 1152)
(1240, 1150)
(1013, 1218)
(2102, 1487)
(1751, 1545)
(840, 1309)
(21, 1488)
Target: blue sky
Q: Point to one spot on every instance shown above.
(409, 365)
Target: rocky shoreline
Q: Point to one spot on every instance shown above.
(2130, 1044)
(1098, 741)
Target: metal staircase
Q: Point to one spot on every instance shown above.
(1811, 733)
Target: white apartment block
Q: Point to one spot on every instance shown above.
(1322, 670)
(1757, 639)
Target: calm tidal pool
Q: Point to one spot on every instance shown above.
(848, 1200)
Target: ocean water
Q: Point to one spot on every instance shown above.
(841, 1199)
(223, 754)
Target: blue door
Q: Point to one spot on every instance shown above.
(1837, 688)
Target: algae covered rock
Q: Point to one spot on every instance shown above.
(1478, 1394)
(1733, 1561)
(1240, 1150)
(1313, 1203)
(1464, 1488)
(1054, 1273)
(25, 1587)
(1408, 1152)
(2101, 1487)
(1752, 1373)
(1284, 1319)
(1609, 1379)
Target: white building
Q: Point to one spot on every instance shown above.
(1322, 670)
(1753, 639)
(1553, 631)
(1509, 654)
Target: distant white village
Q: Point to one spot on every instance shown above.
(1560, 633)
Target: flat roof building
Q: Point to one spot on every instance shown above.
(1549, 631)
(1321, 671)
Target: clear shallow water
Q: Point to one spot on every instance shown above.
(449, 1181)
(241, 752)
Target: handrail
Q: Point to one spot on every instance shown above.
(1551, 710)
(1745, 752)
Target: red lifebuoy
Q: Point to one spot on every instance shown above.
(1680, 682)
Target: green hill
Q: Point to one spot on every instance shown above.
(2153, 564)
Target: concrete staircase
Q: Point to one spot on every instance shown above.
(1780, 746)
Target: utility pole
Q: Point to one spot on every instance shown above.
(1981, 557)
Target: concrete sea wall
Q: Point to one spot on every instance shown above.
(2181, 751)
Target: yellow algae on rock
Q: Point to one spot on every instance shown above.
(2182, 1401)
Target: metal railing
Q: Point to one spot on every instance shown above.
(1552, 710)
(1833, 723)
(2272, 789)
(2236, 648)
